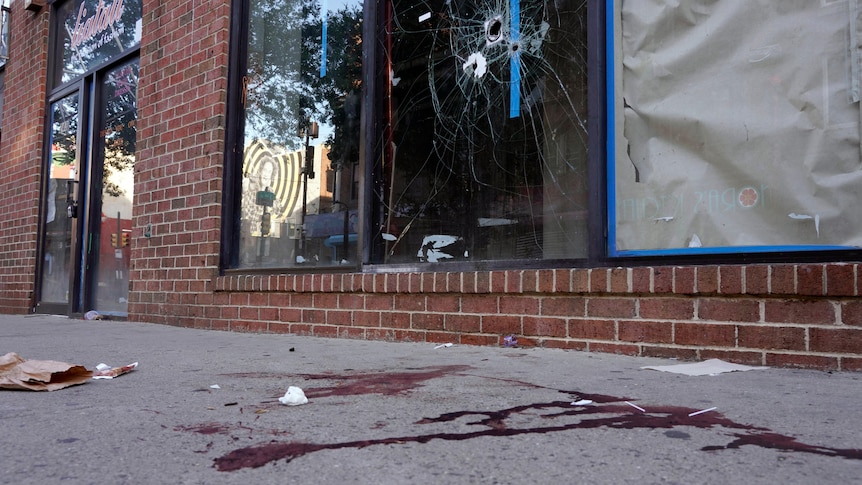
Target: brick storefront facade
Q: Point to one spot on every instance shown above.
(795, 315)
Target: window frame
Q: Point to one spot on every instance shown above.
(229, 252)
(699, 255)
(601, 150)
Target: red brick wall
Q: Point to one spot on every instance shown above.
(178, 172)
(21, 154)
(777, 315)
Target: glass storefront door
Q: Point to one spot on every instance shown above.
(86, 222)
(60, 201)
(88, 197)
(113, 188)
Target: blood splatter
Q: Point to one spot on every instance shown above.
(605, 412)
(780, 442)
(205, 428)
(385, 383)
(608, 412)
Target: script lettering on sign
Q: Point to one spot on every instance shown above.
(88, 27)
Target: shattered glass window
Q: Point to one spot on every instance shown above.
(301, 86)
(737, 126)
(483, 150)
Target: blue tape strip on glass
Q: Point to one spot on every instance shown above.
(323, 21)
(515, 64)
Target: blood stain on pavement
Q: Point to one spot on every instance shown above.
(606, 412)
(385, 383)
(360, 383)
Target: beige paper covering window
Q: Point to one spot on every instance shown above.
(737, 124)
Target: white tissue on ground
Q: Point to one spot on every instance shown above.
(293, 397)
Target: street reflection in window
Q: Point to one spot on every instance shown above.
(300, 94)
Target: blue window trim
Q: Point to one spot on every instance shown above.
(610, 89)
(613, 251)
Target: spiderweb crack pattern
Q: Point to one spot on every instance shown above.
(501, 88)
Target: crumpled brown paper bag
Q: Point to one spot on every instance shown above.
(39, 375)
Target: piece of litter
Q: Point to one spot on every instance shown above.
(510, 341)
(231, 403)
(582, 402)
(425, 16)
(636, 407)
(494, 221)
(803, 217)
(703, 411)
(104, 371)
(215, 386)
(39, 375)
(711, 367)
(694, 242)
(293, 397)
(93, 315)
(443, 345)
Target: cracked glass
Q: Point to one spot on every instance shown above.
(483, 149)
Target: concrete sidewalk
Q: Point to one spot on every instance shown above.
(407, 413)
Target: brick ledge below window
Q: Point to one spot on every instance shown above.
(798, 280)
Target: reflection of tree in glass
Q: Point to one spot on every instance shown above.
(271, 85)
(502, 87)
(65, 131)
(120, 131)
(338, 93)
(93, 44)
(283, 88)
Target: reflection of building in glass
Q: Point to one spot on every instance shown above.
(269, 168)
(119, 134)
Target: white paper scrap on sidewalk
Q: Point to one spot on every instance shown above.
(711, 367)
